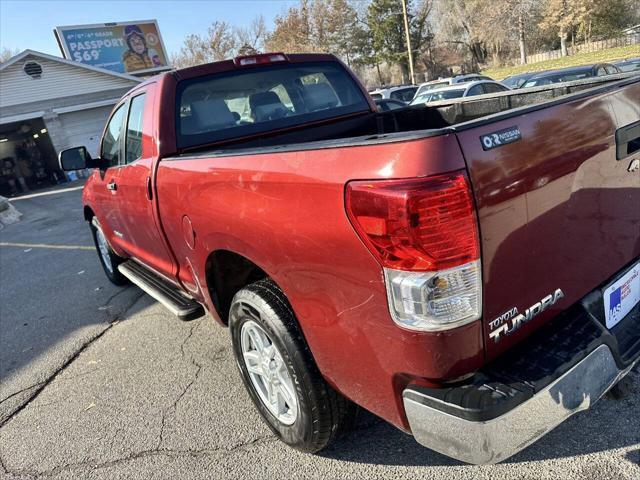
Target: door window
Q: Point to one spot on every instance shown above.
(133, 148)
(110, 151)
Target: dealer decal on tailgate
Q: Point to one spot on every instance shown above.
(621, 296)
(501, 137)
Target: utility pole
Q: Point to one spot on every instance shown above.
(406, 32)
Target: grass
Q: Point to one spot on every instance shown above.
(608, 55)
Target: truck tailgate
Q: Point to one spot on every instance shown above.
(556, 209)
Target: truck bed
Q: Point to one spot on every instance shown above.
(439, 118)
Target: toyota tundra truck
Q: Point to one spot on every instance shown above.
(469, 271)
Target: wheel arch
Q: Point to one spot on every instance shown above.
(88, 213)
(226, 273)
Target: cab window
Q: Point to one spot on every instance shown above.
(133, 148)
(111, 143)
(253, 101)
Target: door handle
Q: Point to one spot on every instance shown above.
(112, 185)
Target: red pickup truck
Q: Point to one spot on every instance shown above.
(467, 271)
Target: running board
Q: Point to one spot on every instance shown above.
(168, 295)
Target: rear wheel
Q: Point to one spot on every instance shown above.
(279, 373)
(108, 258)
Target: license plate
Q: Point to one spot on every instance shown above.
(621, 296)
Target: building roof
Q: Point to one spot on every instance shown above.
(46, 56)
(60, 83)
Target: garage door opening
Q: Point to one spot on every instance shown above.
(28, 160)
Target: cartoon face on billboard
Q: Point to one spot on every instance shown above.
(129, 47)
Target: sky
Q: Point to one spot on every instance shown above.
(26, 24)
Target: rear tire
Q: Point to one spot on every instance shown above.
(108, 258)
(321, 413)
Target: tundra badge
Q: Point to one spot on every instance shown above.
(511, 320)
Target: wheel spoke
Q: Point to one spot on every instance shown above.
(257, 341)
(268, 373)
(252, 361)
(271, 393)
(282, 400)
(286, 395)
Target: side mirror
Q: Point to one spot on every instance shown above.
(76, 158)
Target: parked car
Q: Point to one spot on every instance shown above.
(570, 74)
(387, 104)
(342, 247)
(461, 90)
(628, 65)
(517, 81)
(403, 93)
(445, 82)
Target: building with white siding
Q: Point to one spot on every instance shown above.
(47, 104)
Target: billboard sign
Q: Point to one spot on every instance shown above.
(124, 47)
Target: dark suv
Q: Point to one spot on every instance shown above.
(571, 73)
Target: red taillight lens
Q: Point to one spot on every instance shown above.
(423, 224)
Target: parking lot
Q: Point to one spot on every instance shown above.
(101, 382)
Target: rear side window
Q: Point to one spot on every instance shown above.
(111, 144)
(493, 88)
(477, 90)
(431, 86)
(445, 95)
(133, 149)
(404, 95)
(257, 100)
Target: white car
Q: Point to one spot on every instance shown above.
(470, 89)
(445, 82)
(403, 93)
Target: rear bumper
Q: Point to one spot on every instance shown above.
(491, 441)
(562, 369)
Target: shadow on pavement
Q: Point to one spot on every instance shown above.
(52, 301)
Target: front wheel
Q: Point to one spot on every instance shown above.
(108, 258)
(279, 373)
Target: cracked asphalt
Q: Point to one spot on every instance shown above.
(100, 382)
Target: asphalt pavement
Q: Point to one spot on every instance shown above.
(98, 381)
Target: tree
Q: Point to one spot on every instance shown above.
(7, 53)
(384, 21)
(460, 24)
(252, 38)
(291, 31)
(219, 43)
(344, 29)
(563, 16)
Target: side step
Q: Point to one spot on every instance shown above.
(176, 302)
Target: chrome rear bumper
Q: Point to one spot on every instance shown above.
(486, 442)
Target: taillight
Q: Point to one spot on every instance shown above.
(424, 233)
